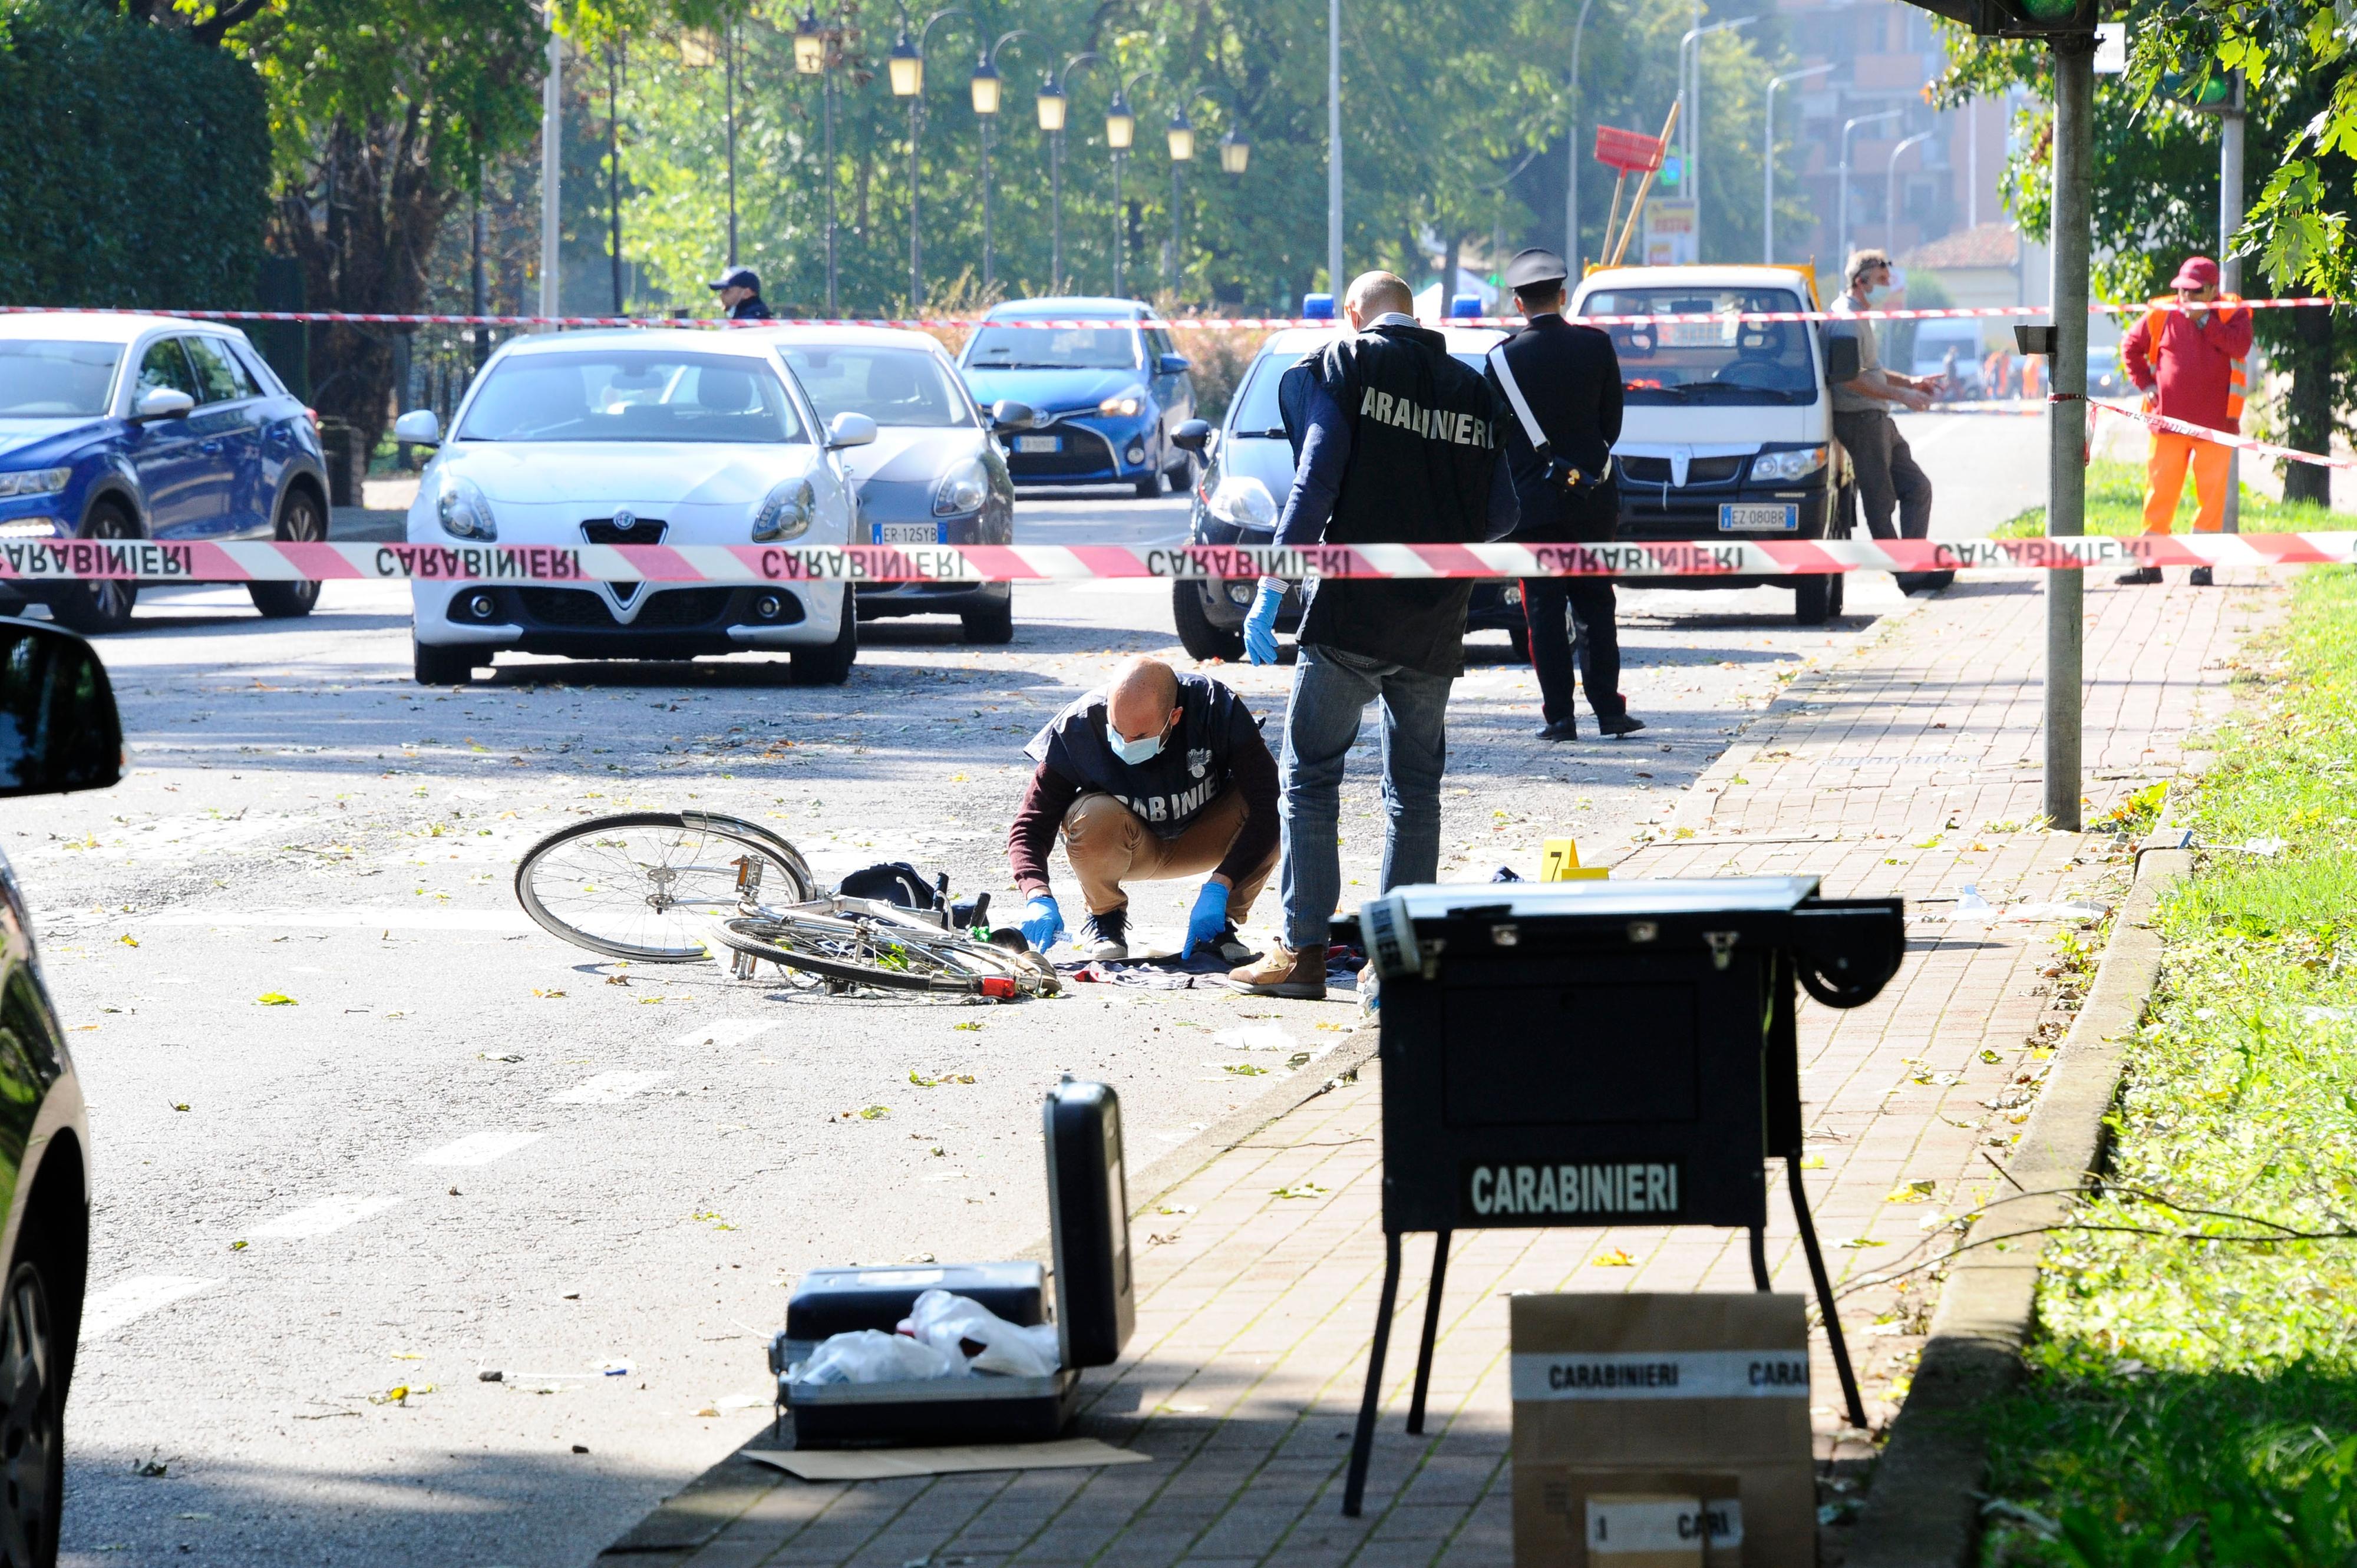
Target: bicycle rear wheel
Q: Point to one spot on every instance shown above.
(856, 943)
(648, 884)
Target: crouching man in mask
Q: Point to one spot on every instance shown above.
(1158, 775)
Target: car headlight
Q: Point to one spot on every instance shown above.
(463, 511)
(785, 513)
(35, 482)
(1123, 404)
(962, 490)
(1772, 466)
(1244, 501)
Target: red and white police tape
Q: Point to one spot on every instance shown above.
(1203, 323)
(163, 563)
(2240, 443)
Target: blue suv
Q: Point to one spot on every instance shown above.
(150, 427)
(1107, 395)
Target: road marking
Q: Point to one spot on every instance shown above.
(119, 1303)
(478, 1148)
(347, 918)
(725, 1032)
(319, 1218)
(607, 1088)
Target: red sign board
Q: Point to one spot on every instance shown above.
(1626, 150)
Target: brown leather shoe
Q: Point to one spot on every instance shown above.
(1283, 971)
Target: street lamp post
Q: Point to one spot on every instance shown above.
(1572, 158)
(1121, 133)
(1053, 110)
(908, 74)
(1690, 136)
(1768, 162)
(1841, 230)
(1891, 192)
(1181, 138)
(1335, 282)
(814, 56)
(984, 88)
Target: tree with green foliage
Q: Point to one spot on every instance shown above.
(2157, 167)
(146, 180)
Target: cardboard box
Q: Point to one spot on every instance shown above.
(1668, 1398)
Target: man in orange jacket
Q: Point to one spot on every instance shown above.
(2186, 357)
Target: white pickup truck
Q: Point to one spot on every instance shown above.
(1726, 428)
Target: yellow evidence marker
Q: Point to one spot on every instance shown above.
(1561, 864)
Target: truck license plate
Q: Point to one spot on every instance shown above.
(1738, 519)
(1039, 443)
(907, 533)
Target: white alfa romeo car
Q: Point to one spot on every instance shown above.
(637, 437)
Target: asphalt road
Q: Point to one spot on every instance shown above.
(360, 1129)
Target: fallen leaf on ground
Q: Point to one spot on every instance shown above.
(276, 999)
(1618, 1257)
(1298, 1189)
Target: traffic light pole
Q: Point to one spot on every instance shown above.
(2066, 415)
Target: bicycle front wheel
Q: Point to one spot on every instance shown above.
(648, 884)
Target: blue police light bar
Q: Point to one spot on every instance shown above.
(1318, 307)
(1465, 304)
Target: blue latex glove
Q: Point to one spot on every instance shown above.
(1042, 921)
(1207, 918)
(1260, 626)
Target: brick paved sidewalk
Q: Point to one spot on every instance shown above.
(1910, 769)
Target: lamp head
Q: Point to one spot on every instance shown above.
(1051, 104)
(1121, 125)
(984, 86)
(907, 67)
(1181, 136)
(1234, 153)
(809, 44)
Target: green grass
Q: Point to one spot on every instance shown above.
(2116, 506)
(2194, 1400)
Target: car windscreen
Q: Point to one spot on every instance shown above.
(1053, 348)
(1723, 361)
(1255, 407)
(623, 395)
(890, 386)
(45, 379)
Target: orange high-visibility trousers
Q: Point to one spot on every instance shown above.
(2164, 477)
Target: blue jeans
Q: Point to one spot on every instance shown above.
(1331, 688)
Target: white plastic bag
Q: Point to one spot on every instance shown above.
(948, 1323)
(872, 1355)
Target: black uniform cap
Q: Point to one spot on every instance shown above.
(737, 277)
(1535, 267)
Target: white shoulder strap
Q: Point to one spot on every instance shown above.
(1497, 357)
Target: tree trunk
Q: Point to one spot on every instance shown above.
(363, 232)
(1449, 260)
(2308, 409)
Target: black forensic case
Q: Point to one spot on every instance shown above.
(1088, 1219)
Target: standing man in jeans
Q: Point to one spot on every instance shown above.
(1395, 443)
(1884, 468)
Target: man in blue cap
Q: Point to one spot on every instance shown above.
(739, 289)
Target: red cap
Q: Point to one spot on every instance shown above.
(2198, 272)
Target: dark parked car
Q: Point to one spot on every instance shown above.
(1248, 470)
(936, 474)
(1110, 392)
(59, 732)
(150, 427)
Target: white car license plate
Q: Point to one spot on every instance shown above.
(1039, 443)
(907, 533)
(1738, 519)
